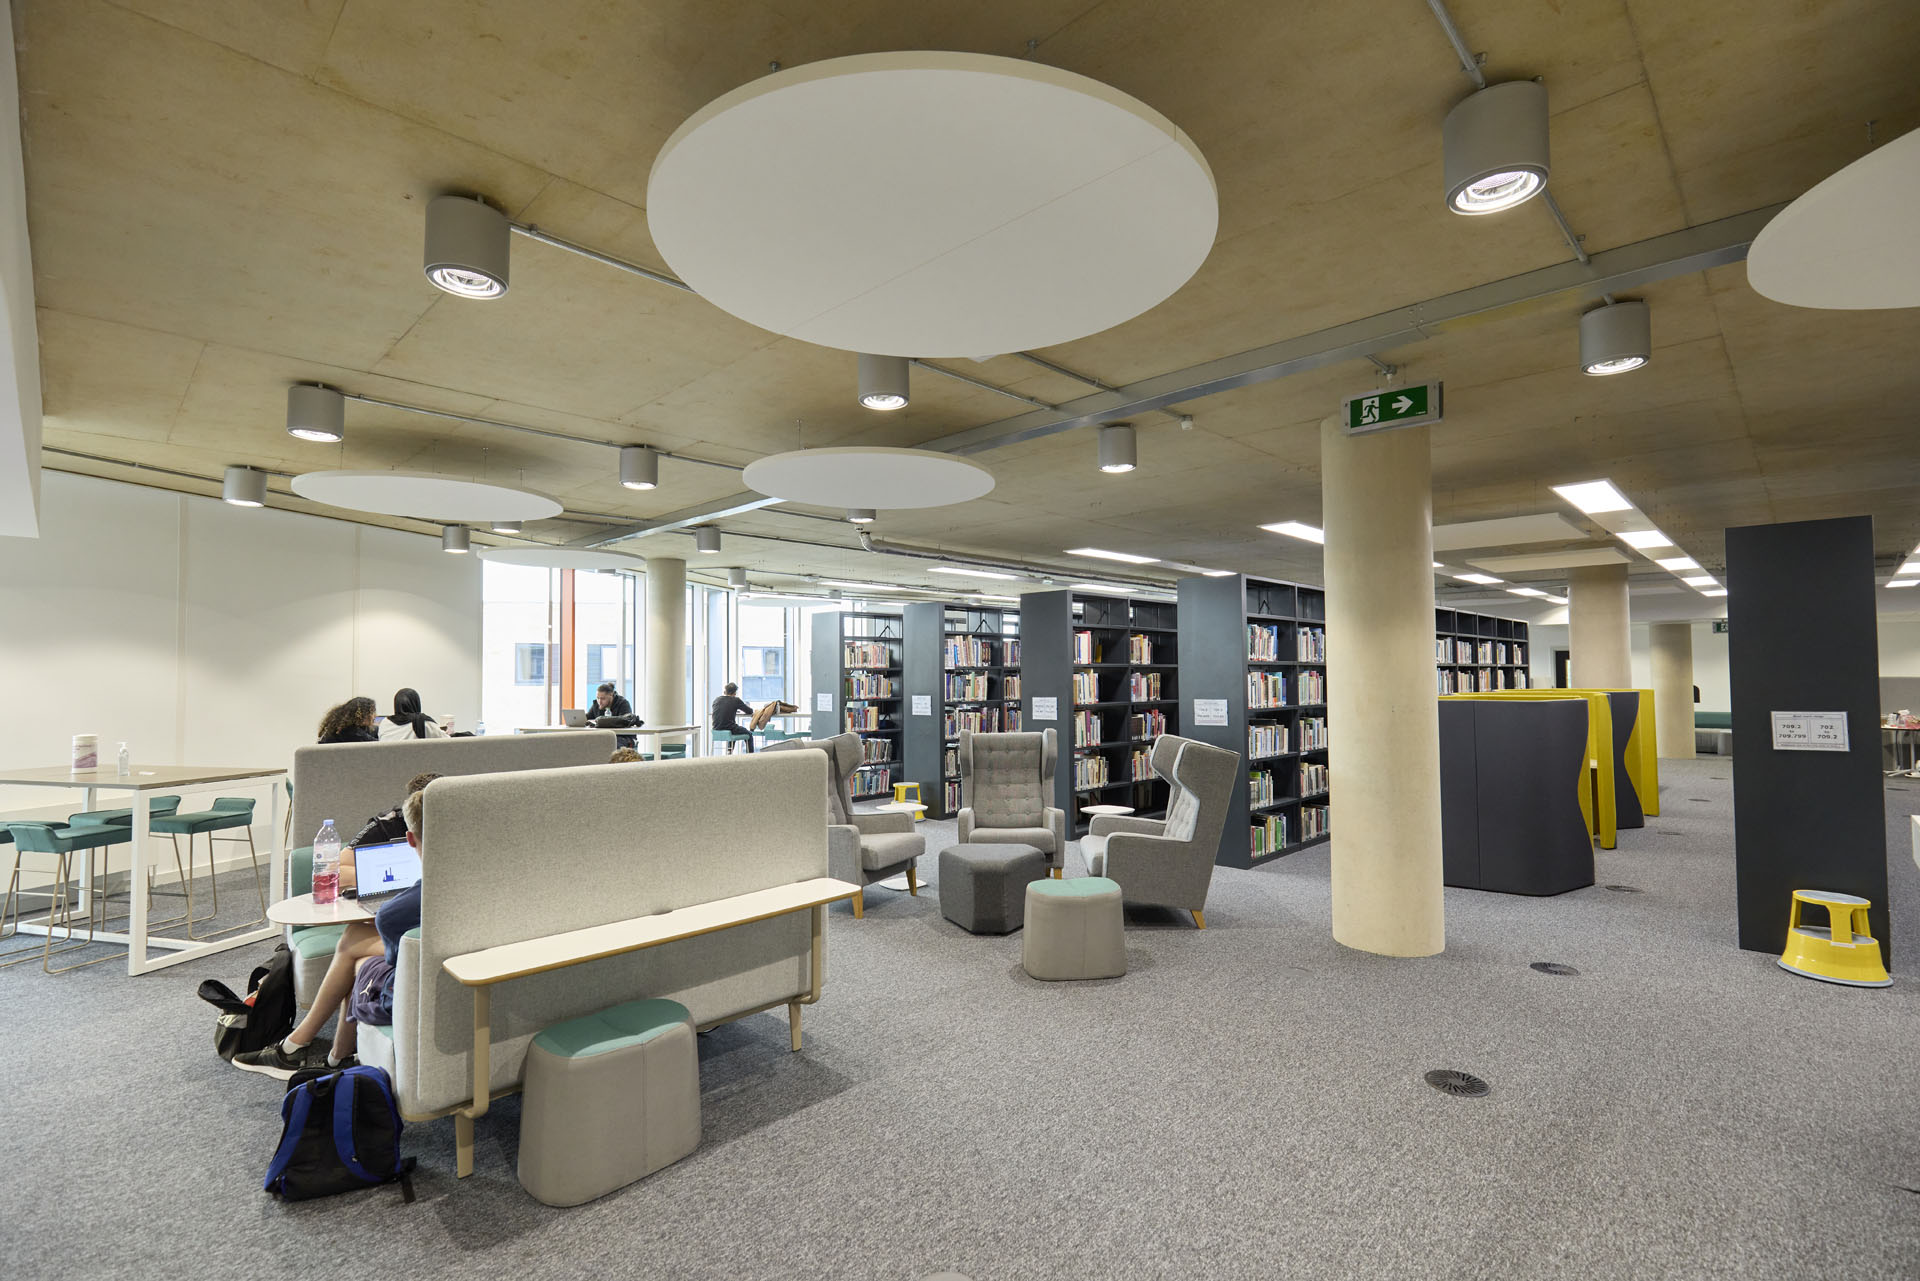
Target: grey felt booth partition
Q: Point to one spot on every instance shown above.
(1511, 775)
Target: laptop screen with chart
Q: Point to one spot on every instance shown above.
(382, 870)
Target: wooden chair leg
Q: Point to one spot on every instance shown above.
(913, 879)
(1199, 919)
(860, 906)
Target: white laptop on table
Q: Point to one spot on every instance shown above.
(382, 871)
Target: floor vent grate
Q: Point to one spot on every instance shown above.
(1463, 1085)
(1553, 967)
(1623, 889)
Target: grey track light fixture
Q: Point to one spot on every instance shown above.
(639, 466)
(861, 515)
(736, 578)
(1615, 337)
(455, 539)
(244, 487)
(505, 526)
(468, 246)
(1117, 447)
(883, 381)
(706, 539)
(316, 412)
(1495, 145)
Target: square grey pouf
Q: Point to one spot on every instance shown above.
(983, 888)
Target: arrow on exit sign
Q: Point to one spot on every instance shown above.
(1400, 407)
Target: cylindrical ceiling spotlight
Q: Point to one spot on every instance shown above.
(468, 244)
(883, 381)
(706, 538)
(1116, 447)
(639, 466)
(505, 526)
(736, 578)
(1616, 337)
(1495, 145)
(455, 539)
(861, 515)
(316, 412)
(244, 487)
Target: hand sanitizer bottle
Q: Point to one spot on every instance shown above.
(126, 762)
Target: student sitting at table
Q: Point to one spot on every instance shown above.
(351, 722)
(359, 982)
(607, 701)
(727, 710)
(408, 721)
(383, 828)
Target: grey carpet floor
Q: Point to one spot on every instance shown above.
(1246, 1102)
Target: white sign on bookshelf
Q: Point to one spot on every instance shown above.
(923, 704)
(1209, 711)
(823, 702)
(1046, 709)
(1810, 732)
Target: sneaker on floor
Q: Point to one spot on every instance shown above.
(274, 1061)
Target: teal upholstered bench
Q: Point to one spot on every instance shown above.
(610, 1098)
(1713, 732)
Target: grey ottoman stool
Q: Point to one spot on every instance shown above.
(1075, 930)
(983, 887)
(610, 1098)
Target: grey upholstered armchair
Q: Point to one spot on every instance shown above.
(862, 848)
(1170, 861)
(1006, 792)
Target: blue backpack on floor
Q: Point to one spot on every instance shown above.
(341, 1132)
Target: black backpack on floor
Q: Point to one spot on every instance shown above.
(263, 1016)
(341, 1132)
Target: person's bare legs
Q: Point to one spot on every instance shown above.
(346, 1037)
(360, 941)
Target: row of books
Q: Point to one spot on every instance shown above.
(1139, 649)
(1086, 729)
(1263, 643)
(1084, 650)
(865, 685)
(870, 782)
(1140, 765)
(1313, 778)
(861, 716)
(952, 792)
(1011, 685)
(1479, 681)
(1266, 689)
(1270, 835)
(1313, 733)
(950, 764)
(1266, 740)
(1145, 725)
(965, 686)
(1310, 687)
(867, 654)
(1144, 687)
(1260, 790)
(1310, 644)
(967, 651)
(1089, 772)
(874, 751)
(1313, 821)
(979, 720)
(1086, 687)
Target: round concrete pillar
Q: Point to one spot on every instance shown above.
(1382, 725)
(1671, 646)
(666, 682)
(1600, 657)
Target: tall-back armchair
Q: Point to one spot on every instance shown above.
(1170, 861)
(862, 848)
(1006, 784)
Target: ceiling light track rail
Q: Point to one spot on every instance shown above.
(478, 421)
(534, 233)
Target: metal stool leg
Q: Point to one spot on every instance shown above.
(10, 906)
(49, 952)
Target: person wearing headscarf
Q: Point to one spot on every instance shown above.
(408, 721)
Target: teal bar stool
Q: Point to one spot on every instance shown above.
(62, 842)
(673, 751)
(157, 807)
(229, 813)
(720, 736)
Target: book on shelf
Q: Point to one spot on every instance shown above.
(867, 685)
(1310, 686)
(1084, 650)
(866, 783)
(1313, 821)
(1270, 835)
(1442, 649)
(964, 687)
(1011, 651)
(1266, 740)
(1089, 772)
(1144, 687)
(977, 720)
(966, 651)
(1260, 788)
(867, 654)
(1266, 689)
(1463, 651)
(1139, 649)
(876, 751)
(1086, 729)
(1012, 687)
(1313, 733)
(1086, 687)
(861, 716)
(1263, 643)
(1013, 720)
(1146, 725)
(953, 797)
(1310, 644)
(950, 764)
(1313, 778)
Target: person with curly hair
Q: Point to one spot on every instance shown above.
(354, 721)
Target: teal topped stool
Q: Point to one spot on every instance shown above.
(62, 842)
(1076, 929)
(727, 736)
(229, 813)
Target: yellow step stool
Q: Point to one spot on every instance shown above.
(900, 798)
(1843, 951)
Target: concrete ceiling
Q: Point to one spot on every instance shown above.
(226, 196)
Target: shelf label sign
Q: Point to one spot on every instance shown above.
(1209, 711)
(1810, 732)
(1399, 407)
(1046, 709)
(923, 704)
(823, 702)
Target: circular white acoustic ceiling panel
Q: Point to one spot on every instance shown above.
(1849, 242)
(561, 558)
(424, 496)
(931, 204)
(868, 477)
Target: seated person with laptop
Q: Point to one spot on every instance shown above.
(359, 982)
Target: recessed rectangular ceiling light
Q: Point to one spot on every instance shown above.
(1903, 582)
(985, 596)
(1558, 600)
(1294, 529)
(1483, 579)
(1911, 567)
(1101, 554)
(862, 587)
(1643, 539)
(1700, 580)
(1717, 591)
(1216, 573)
(969, 573)
(1594, 497)
(1678, 563)
(1438, 565)
(1107, 588)
(1526, 591)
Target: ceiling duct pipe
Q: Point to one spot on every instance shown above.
(876, 546)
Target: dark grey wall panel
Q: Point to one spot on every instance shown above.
(1802, 636)
(1046, 671)
(826, 674)
(1459, 795)
(1213, 664)
(920, 675)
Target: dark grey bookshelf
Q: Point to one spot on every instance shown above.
(1477, 652)
(851, 704)
(1220, 621)
(1112, 770)
(964, 662)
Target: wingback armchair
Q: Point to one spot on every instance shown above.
(1006, 792)
(862, 848)
(1170, 861)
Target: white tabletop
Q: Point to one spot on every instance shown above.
(1106, 809)
(142, 778)
(302, 910)
(899, 807)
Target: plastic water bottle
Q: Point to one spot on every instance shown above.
(326, 864)
(126, 762)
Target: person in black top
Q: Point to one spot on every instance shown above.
(727, 709)
(351, 722)
(608, 702)
(384, 829)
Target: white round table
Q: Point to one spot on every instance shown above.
(302, 910)
(1106, 809)
(898, 807)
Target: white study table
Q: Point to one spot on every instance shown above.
(640, 730)
(302, 910)
(141, 781)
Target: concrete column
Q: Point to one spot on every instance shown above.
(1384, 731)
(1672, 653)
(1599, 655)
(666, 680)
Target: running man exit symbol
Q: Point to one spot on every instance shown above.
(1402, 407)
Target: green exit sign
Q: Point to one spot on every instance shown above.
(1720, 626)
(1400, 407)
